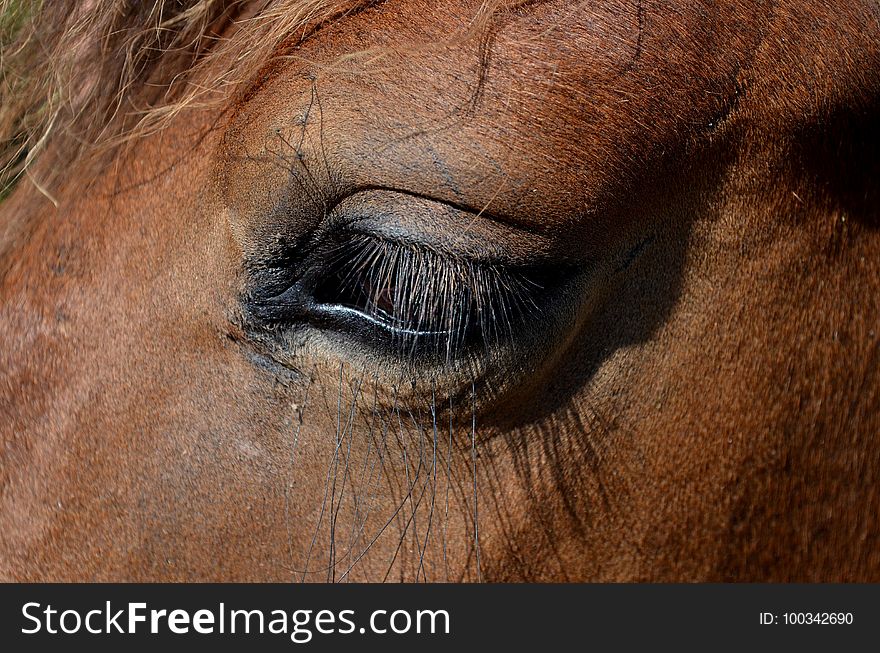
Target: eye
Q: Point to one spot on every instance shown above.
(410, 300)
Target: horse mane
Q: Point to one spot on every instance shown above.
(107, 71)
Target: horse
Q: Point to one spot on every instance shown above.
(349, 290)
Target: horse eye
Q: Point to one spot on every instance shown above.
(408, 300)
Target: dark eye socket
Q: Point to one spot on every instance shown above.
(410, 300)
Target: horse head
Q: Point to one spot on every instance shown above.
(460, 291)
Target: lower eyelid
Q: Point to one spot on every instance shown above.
(339, 311)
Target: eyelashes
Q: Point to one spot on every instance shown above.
(431, 303)
(411, 300)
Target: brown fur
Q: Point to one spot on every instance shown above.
(705, 409)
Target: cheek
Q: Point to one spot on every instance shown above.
(372, 492)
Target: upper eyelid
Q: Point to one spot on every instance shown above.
(426, 248)
(448, 229)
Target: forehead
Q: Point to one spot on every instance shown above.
(538, 113)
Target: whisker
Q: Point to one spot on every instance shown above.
(288, 485)
(433, 484)
(327, 481)
(446, 503)
(356, 526)
(348, 429)
(406, 527)
(474, 459)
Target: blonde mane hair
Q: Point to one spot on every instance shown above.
(111, 70)
(108, 71)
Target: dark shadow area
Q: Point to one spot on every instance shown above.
(840, 158)
(645, 283)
